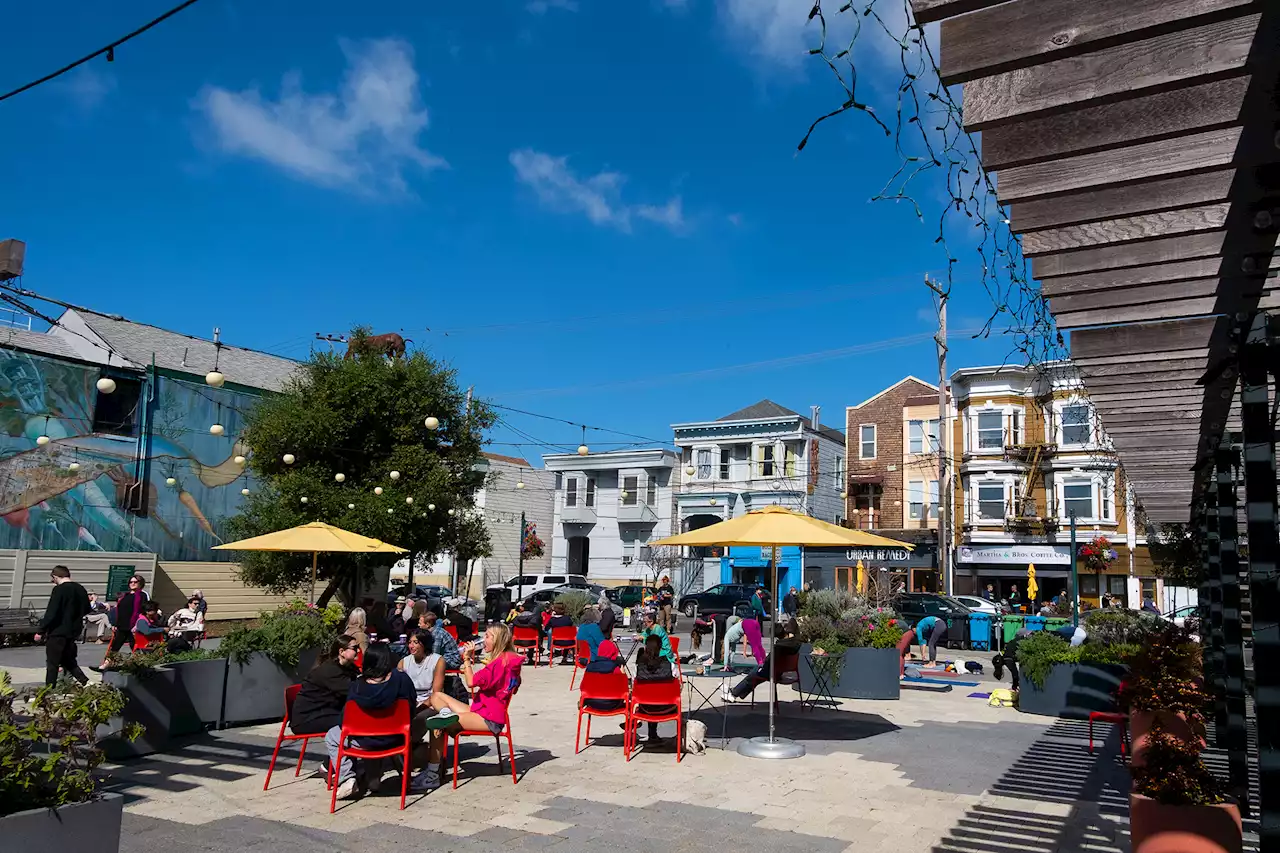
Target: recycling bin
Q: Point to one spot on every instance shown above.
(980, 632)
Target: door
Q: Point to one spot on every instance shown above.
(579, 555)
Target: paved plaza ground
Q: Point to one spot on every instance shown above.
(941, 772)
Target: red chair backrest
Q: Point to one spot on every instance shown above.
(606, 685)
(584, 651)
(520, 634)
(788, 662)
(290, 695)
(656, 692)
(451, 630)
(140, 641)
(564, 635)
(357, 722)
(675, 646)
(359, 658)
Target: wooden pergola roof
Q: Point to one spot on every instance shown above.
(1137, 146)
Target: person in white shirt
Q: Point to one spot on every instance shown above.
(97, 616)
(187, 622)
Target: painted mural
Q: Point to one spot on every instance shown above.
(83, 489)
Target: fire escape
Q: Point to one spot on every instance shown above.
(1024, 515)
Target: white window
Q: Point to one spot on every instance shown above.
(915, 499)
(591, 493)
(1015, 427)
(628, 544)
(651, 489)
(840, 473)
(630, 491)
(789, 460)
(991, 501)
(1076, 424)
(765, 459)
(867, 435)
(704, 463)
(1077, 499)
(934, 503)
(571, 491)
(726, 463)
(990, 430)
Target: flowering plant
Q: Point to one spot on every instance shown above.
(531, 545)
(1098, 554)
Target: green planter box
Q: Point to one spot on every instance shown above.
(92, 827)
(863, 674)
(151, 700)
(200, 687)
(255, 689)
(1072, 691)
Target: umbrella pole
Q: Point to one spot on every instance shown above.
(772, 746)
(315, 561)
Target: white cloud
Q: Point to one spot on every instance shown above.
(779, 32)
(88, 88)
(361, 137)
(598, 197)
(541, 7)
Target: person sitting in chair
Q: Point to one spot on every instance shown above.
(653, 666)
(786, 647)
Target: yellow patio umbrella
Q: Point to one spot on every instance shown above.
(773, 527)
(1032, 587)
(314, 537)
(862, 577)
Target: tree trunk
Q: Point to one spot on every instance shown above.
(330, 588)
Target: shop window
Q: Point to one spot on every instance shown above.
(1089, 586)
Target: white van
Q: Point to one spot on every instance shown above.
(529, 584)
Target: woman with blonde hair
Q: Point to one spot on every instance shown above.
(356, 627)
(494, 684)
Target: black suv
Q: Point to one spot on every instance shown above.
(721, 598)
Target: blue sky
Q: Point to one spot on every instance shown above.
(597, 208)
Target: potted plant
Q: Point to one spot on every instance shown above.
(50, 793)
(171, 694)
(1177, 804)
(849, 645)
(1163, 688)
(1061, 680)
(263, 660)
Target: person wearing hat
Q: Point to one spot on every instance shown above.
(666, 601)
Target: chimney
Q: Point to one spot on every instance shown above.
(814, 421)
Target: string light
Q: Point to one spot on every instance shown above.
(288, 459)
(377, 490)
(432, 423)
(408, 500)
(244, 492)
(170, 481)
(42, 440)
(351, 506)
(339, 477)
(304, 498)
(390, 510)
(583, 450)
(106, 385)
(239, 460)
(74, 466)
(214, 379)
(395, 475)
(216, 429)
(452, 511)
(431, 507)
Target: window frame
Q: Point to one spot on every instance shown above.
(651, 489)
(589, 493)
(726, 462)
(840, 474)
(862, 441)
(631, 487)
(978, 501)
(1087, 424)
(978, 430)
(571, 491)
(702, 463)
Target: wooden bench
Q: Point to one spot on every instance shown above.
(17, 625)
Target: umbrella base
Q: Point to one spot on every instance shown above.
(777, 748)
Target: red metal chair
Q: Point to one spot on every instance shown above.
(506, 730)
(675, 653)
(525, 638)
(358, 723)
(140, 641)
(660, 693)
(609, 686)
(451, 630)
(359, 659)
(580, 660)
(563, 639)
(290, 694)
(1115, 719)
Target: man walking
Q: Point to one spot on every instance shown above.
(791, 602)
(666, 601)
(62, 623)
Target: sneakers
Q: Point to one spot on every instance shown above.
(347, 789)
(725, 695)
(426, 781)
(442, 720)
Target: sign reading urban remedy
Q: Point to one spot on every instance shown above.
(878, 555)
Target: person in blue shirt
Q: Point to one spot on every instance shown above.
(930, 630)
(589, 631)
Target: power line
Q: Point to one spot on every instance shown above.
(109, 50)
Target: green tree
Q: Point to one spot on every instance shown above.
(1175, 551)
(363, 417)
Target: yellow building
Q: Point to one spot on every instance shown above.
(1028, 455)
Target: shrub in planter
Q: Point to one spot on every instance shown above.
(1059, 680)
(264, 660)
(855, 652)
(574, 603)
(1164, 684)
(1177, 804)
(50, 796)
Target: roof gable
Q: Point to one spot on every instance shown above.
(924, 387)
(770, 409)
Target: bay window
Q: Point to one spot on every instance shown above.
(991, 501)
(1077, 425)
(990, 430)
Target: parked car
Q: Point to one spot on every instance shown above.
(1180, 616)
(420, 591)
(721, 598)
(631, 595)
(527, 584)
(979, 605)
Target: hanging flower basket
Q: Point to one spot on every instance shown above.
(531, 546)
(1098, 554)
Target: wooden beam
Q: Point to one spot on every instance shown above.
(1142, 387)
(1028, 32)
(1185, 220)
(1165, 250)
(1184, 394)
(1118, 296)
(928, 11)
(1128, 360)
(1127, 200)
(1144, 338)
(1171, 113)
(1212, 149)
(1140, 369)
(1202, 268)
(1125, 71)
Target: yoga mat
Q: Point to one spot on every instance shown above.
(978, 696)
(941, 681)
(915, 684)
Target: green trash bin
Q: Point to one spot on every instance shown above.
(1013, 623)
(1053, 623)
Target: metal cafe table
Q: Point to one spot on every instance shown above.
(707, 685)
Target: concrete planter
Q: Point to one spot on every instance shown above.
(1160, 828)
(200, 686)
(152, 699)
(92, 827)
(1072, 691)
(255, 689)
(862, 674)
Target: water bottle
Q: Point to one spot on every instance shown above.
(404, 639)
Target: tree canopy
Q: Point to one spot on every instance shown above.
(363, 417)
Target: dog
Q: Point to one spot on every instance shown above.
(695, 737)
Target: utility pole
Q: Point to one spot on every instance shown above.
(470, 391)
(331, 340)
(945, 568)
(520, 562)
(1075, 574)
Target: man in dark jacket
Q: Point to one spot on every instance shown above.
(791, 602)
(62, 623)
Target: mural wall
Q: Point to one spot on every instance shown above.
(104, 485)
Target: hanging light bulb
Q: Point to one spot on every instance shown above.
(408, 500)
(690, 470)
(351, 506)
(239, 460)
(288, 458)
(106, 385)
(244, 492)
(304, 498)
(583, 450)
(452, 511)
(377, 490)
(520, 485)
(214, 379)
(624, 493)
(216, 429)
(395, 475)
(74, 466)
(431, 506)
(339, 476)
(390, 510)
(712, 501)
(432, 423)
(42, 440)
(170, 481)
